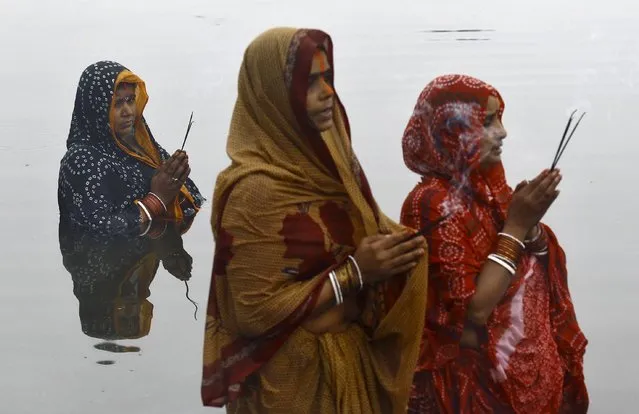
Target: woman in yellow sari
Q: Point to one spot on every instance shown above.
(317, 298)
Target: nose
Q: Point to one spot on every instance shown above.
(501, 131)
(326, 90)
(128, 109)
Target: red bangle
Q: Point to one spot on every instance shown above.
(155, 206)
(157, 229)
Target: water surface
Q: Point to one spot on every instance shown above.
(545, 57)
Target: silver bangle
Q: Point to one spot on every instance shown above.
(148, 215)
(336, 288)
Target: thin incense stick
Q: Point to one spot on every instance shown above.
(563, 137)
(188, 129)
(428, 227)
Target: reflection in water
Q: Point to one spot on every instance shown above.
(112, 277)
(115, 348)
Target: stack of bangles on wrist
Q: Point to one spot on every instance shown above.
(538, 245)
(346, 280)
(154, 208)
(508, 252)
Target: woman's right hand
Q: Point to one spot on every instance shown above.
(382, 256)
(169, 178)
(532, 200)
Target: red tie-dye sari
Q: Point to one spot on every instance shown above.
(530, 359)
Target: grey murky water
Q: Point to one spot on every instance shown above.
(546, 58)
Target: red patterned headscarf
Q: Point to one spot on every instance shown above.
(442, 144)
(443, 137)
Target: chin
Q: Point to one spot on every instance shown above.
(490, 161)
(126, 133)
(324, 126)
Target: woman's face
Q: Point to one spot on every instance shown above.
(124, 110)
(319, 98)
(494, 134)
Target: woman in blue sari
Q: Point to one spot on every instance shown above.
(115, 178)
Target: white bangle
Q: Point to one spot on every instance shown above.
(541, 253)
(147, 230)
(506, 260)
(146, 211)
(502, 262)
(336, 288)
(359, 272)
(523, 246)
(534, 239)
(159, 199)
(148, 215)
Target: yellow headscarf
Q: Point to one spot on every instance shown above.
(151, 154)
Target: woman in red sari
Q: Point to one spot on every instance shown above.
(500, 333)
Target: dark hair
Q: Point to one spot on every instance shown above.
(132, 85)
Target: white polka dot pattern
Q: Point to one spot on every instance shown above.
(98, 182)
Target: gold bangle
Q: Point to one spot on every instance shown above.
(346, 279)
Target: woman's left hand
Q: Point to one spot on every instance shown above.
(179, 264)
(171, 176)
(534, 231)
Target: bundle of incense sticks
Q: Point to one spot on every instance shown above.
(564, 141)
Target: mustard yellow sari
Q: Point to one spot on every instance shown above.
(291, 207)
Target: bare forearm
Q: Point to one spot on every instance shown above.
(491, 284)
(326, 299)
(346, 283)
